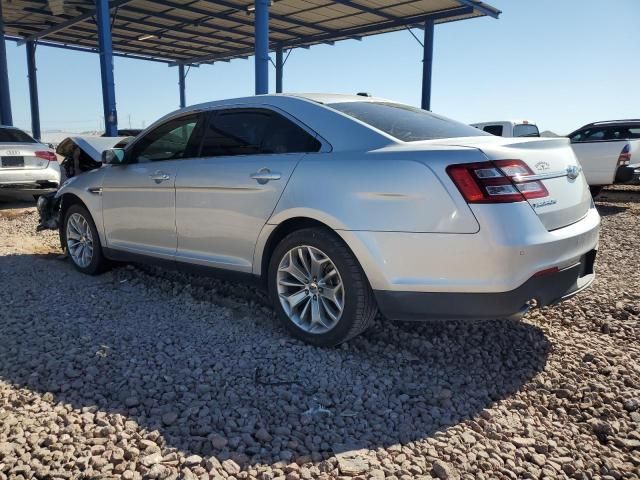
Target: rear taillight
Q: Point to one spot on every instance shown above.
(46, 155)
(498, 181)
(625, 155)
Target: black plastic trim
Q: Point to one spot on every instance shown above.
(221, 273)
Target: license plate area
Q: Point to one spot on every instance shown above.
(12, 161)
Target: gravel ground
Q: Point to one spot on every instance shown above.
(142, 373)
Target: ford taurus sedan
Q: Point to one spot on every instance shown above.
(344, 205)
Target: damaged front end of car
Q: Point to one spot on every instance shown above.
(49, 211)
(80, 155)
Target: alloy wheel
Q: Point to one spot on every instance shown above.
(79, 240)
(310, 289)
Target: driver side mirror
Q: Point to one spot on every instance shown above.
(113, 156)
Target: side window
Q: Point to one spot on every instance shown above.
(252, 132)
(620, 133)
(493, 130)
(634, 133)
(578, 137)
(589, 135)
(170, 141)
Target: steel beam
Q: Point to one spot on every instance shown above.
(279, 68)
(427, 64)
(87, 49)
(481, 8)
(356, 32)
(5, 96)
(72, 21)
(364, 8)
(33, 89)
(103, 21)
(262, 46)
(181, 83)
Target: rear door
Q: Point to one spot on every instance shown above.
(224, 198)
(138, 198)
(597, 154)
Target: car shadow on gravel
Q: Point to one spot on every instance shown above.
(232, 384)
(607, 210)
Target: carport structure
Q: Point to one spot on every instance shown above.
(184, 33)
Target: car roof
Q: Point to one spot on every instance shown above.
(337, 97)
(512, 122)
(322, 98)
(631, 121)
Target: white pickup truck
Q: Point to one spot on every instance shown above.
(509, 128)
(607, 151)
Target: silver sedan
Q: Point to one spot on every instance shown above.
(26, 165)
(344, 206)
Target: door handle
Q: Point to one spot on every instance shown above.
(265, 175)
(159, 176)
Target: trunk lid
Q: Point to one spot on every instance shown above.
(22, 156)
(553, 162)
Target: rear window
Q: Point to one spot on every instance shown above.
(13, 135)
(405, 123)
(525, 130)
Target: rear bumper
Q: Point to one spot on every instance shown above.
(36, 180)
(628, 174)
(546, 290)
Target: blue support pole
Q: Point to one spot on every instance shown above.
(103, 20)
(5, 97)
(181, 83)
(279, 67)
(33, 89)
(427, 65)
(262, 46)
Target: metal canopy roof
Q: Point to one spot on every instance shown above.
(202, 31)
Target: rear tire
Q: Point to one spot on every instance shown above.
(595, 191)
(81, 241)
(327, 300)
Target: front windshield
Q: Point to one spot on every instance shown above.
(404, 122)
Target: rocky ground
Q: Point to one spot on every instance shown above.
(141, 373)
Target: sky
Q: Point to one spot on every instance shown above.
(559, 63)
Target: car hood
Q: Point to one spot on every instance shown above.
(92, 146)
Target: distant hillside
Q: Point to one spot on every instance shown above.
(549, 133)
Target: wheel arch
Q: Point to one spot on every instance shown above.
(67, 200)
(290, 225)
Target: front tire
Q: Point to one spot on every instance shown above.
(81, 241)
(318, 288)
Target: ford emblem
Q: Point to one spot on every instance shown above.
(573, 172)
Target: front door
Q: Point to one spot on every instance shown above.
(138, 197)
(224, 198)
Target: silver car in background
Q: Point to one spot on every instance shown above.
(26, 165)
(344, 205)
